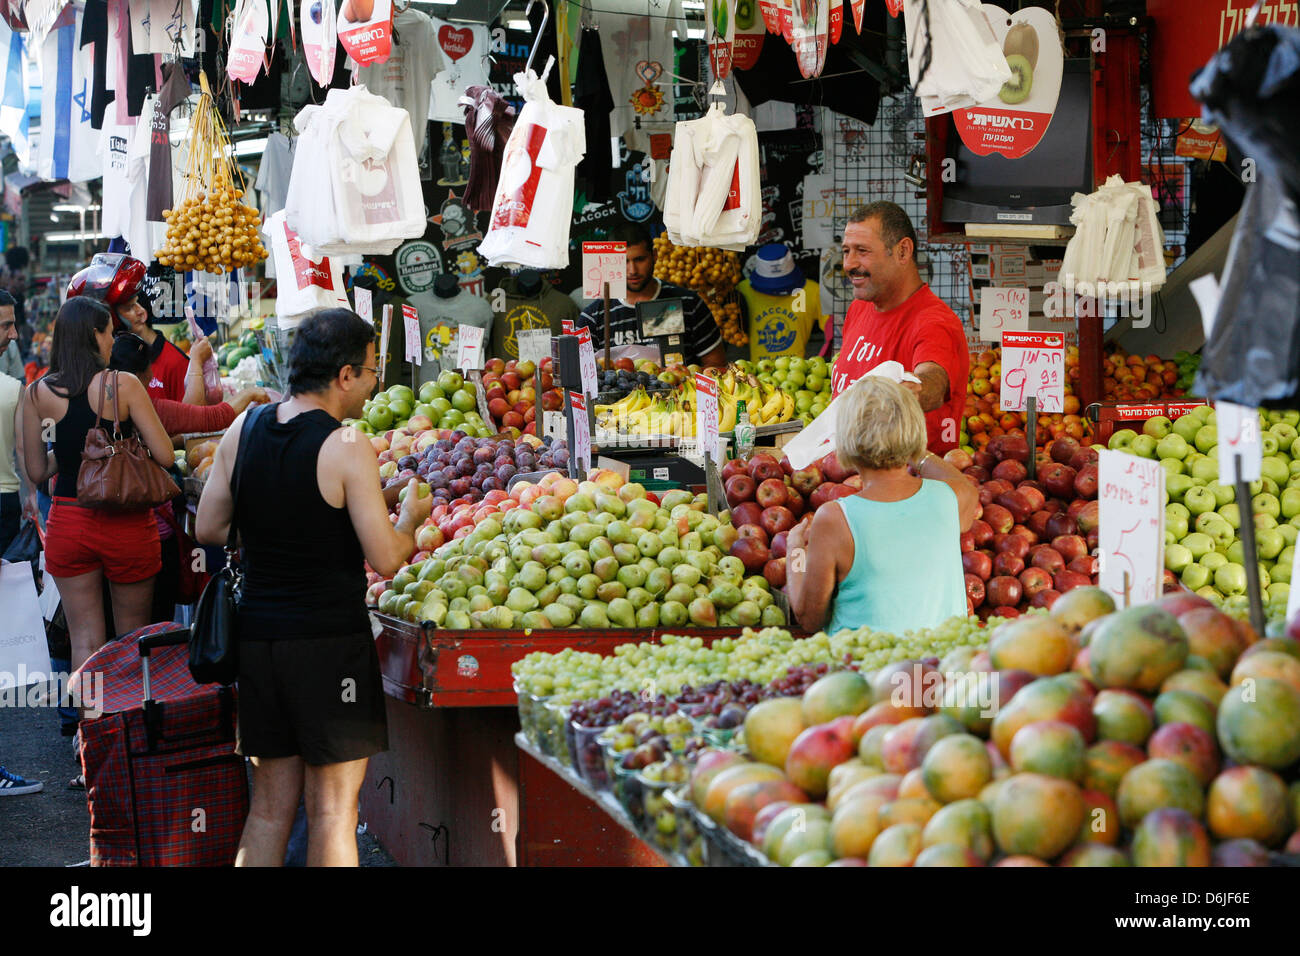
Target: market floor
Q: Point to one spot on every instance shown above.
(50, 828)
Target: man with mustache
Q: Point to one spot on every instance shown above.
(894, 316)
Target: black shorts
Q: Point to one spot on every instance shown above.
(318, 698)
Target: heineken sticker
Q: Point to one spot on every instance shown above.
(418, 264)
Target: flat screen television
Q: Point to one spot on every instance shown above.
(1036, 188)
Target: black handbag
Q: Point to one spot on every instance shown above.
(214, 637)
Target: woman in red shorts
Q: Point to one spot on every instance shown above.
(83, 546)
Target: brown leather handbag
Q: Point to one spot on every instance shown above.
(118, 474)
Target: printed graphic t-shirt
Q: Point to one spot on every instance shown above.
(404, 78)
(546, 310)
(921, 329)
(440, 322)
(775, 328)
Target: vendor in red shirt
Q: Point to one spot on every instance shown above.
(894, 316)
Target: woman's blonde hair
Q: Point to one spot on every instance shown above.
(880, 425)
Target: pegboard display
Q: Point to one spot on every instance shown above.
(871, 163)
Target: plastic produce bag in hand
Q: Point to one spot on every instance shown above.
(1251, 90)
(818, 439)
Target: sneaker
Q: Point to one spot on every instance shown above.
(11, 785)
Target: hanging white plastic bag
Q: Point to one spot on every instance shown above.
(319, 39)
(302, 284)
(248, 40)
(377, 191)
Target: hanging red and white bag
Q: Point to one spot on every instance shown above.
(366, 30)
(809, 35)
(248, 41)
(302, 285)
(320, 39)
(837, 20)
(747, 43)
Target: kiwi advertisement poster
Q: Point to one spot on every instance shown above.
(1014, 121)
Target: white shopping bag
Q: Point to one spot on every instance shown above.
(818, 439)
(24, 655)
(49, 593)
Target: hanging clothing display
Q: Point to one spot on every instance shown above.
(94, 34)
(68, 144)
(534, 199)
(591, 95)
(440, 322)
(546, 308)
(115, 158)
(355, 186)
(637, 39)
(404, 78)
(714, 193)
(464, 49)
(175, 90)
(489, 120)
(274, 171)
(163, 26)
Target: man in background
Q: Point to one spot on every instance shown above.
(11, 358)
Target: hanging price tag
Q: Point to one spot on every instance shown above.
(470, 352)
(1130, 493)
(1238, 428)
(706, 415)
(534, 345)
(385, 330)
(1033, 365)
(581, 431)
(364, 304)
(604, 262)
(411, 326)
(1002, 310)
(587, 361)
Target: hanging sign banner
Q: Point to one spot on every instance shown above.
(366, 30)
(320, 39)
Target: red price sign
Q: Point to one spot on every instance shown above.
(1033, 366)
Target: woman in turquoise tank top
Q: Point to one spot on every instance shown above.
(889, 557)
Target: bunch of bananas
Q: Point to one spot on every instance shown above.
(641, 414)
(765, 403)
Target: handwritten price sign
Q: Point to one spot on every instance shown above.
(706, 415)
(1033, 366)
(1238, 429)
(365, 304)
(581, 430)
(1131, 537)
(411, 328)
(1003, 310)
(587, 361)
(604, 262)
(469, 347)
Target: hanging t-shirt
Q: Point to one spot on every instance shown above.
(534, 199)
(114, 154)
(176, 89)
(273, 172)
(775, 327)
(463, 48)
(440, 321)
(545, 310)
(403, 79)
(139, 233)
(591, 95)
(637, 39)
(921, 329)
(702, 332)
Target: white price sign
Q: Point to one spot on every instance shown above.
(553, 424)
(364, 303)
(587, 361)
(411, 326)
(1130, 492)
(581, 431)
(1238, 429)
(534, 345)
(604, 262)
(706, 415)
(470, 351)
(1033, 366)
(385, 330)
(1003, 310)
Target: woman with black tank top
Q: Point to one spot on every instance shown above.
(310, 513)
(83, 546)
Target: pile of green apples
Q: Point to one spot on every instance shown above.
(449, 403)
(590, 555)
(1203, 519)
(808, 379)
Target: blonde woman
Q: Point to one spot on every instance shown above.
(888, 557)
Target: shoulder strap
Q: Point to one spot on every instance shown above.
(249, 420)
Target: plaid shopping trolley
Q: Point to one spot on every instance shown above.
(163, 782)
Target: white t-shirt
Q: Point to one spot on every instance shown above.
(114, 152)
(534, 197)
(638, 49)
(404, 78)
(463, 48)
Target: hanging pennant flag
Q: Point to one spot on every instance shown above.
(809, 28)
(771, 13)
(748, 40)
(68, 146)
(248, 41)
(366, 29)
(837, 20)
(319, 39)
(895, 7)
(13, 92)
(722, 27)
(12, 13)
(42, 16)
(859, 7)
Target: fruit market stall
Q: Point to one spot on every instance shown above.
(1157, 735)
